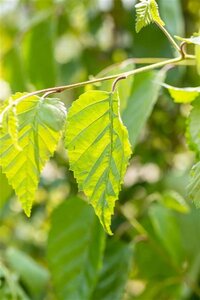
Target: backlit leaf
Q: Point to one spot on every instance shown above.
(39, 133)
(183, 95)
(147, 12)
(99, 150)
(75, 250)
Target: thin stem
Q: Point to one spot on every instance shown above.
(63, 88)
(170, 38)
(116, 81)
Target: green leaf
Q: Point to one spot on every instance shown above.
(193, 128)
(39, 50)
(197, 53)
(114, 274)
(183, 95)
(99, 150)
(194, 185)
(147, 12)
(5, 188)
(195, 39)
(39, 132)
(75, 250)
(172, 10)
(173, 200)
(33, 276)
(144, 94)
(166, 228)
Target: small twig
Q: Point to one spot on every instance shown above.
(170, 38)
(182, 48)
(63, 88)
(116, 81)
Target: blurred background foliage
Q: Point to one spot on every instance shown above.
(155, 251)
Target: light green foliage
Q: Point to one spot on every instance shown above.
(183, 95)
(99, 150)
(115, 271)
(172, 10)
(147, 12)
(194, 185)
(173, 200)
(193, 128)
(193, 137)
(75, 250)
(33, 276)
(195, 39)
(144, 94)
(12, 122)
(40, 126)
(5, 189)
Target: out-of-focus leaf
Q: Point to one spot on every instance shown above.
(10, 288)
(75, 250)
(115, 270)
(13, 70)
(183, 95)
(165, 225)
(193, 127)
(193, 40)
(172, 10)
(144, 94)
(40, 127)
(99, 150)
(194, 185)
(173, 200)
(34, 276)
(39, 54)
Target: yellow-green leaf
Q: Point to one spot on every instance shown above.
(147, 12)
(183, 95)
(99, 150)
(38, 134)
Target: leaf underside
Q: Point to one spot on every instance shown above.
(40, 124)
(99, 150)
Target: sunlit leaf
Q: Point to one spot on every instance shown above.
(183, 95)
(99, 150)
(147, 12)
(40, 125)
(75, 250)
